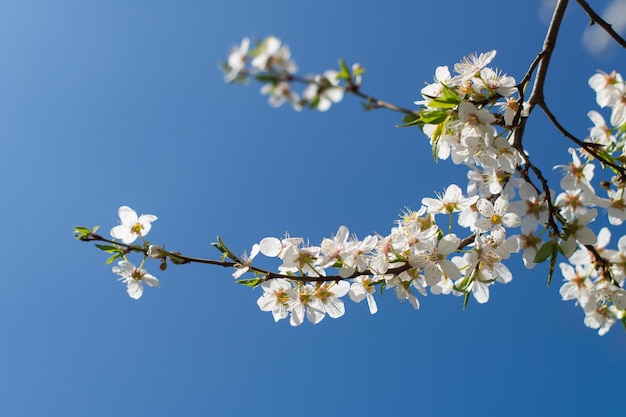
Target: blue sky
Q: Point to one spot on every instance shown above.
(110, 103)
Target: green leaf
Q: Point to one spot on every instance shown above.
(463, 284)
(437, 133)
(409, 118)
(544, 252)
(81, 231)
(108, 248)
(465, 300)
(433, 117)
(415, 122)
(112, 258)
(313, 104)
(267, 78)
(219, 245)
(443, 103)
(368, 106)
(553, 258)
(344, 73)
(253, 282)
(450, 94)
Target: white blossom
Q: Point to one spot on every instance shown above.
(132, 226)
(134, 278)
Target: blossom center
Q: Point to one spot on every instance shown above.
(137, 274)
(137, 228)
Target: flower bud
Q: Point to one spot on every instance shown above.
(156, 252)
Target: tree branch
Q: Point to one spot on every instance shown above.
(352, 88)
(548, 47)
(591, 148)
(595, 18)
(541, 63)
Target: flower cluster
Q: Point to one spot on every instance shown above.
(472, 116)
(458, 118)
(132, 227)
(595, 276)
(602, 300)
(269, 62)
(456, 115)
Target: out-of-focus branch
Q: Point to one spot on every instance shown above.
(352, 88)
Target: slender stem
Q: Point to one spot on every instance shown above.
(589, 147)
(595, 18)
(355, 89)
(546, 191)
(179, 258)
(377, 103)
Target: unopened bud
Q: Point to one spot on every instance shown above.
(156, 252)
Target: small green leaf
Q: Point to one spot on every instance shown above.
(433, 117)
(219, 245)
(112, 258)
(81, 231)
(314, 103)
(267, 78)
(344, 73)
(544, 252)
(253, 282)
(553, 258)
(465, 300)
(408, 118)
(367, 106)
(108, 248)
(443, 103)
(437, 133)
(450, 94)
(415, 122)
(463, 284)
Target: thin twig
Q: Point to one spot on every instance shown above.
(589, 147)
(595, 18)
(355, 89)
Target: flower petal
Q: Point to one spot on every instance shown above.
(127, 215)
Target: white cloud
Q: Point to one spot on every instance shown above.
(595, 40)
(546, 8)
